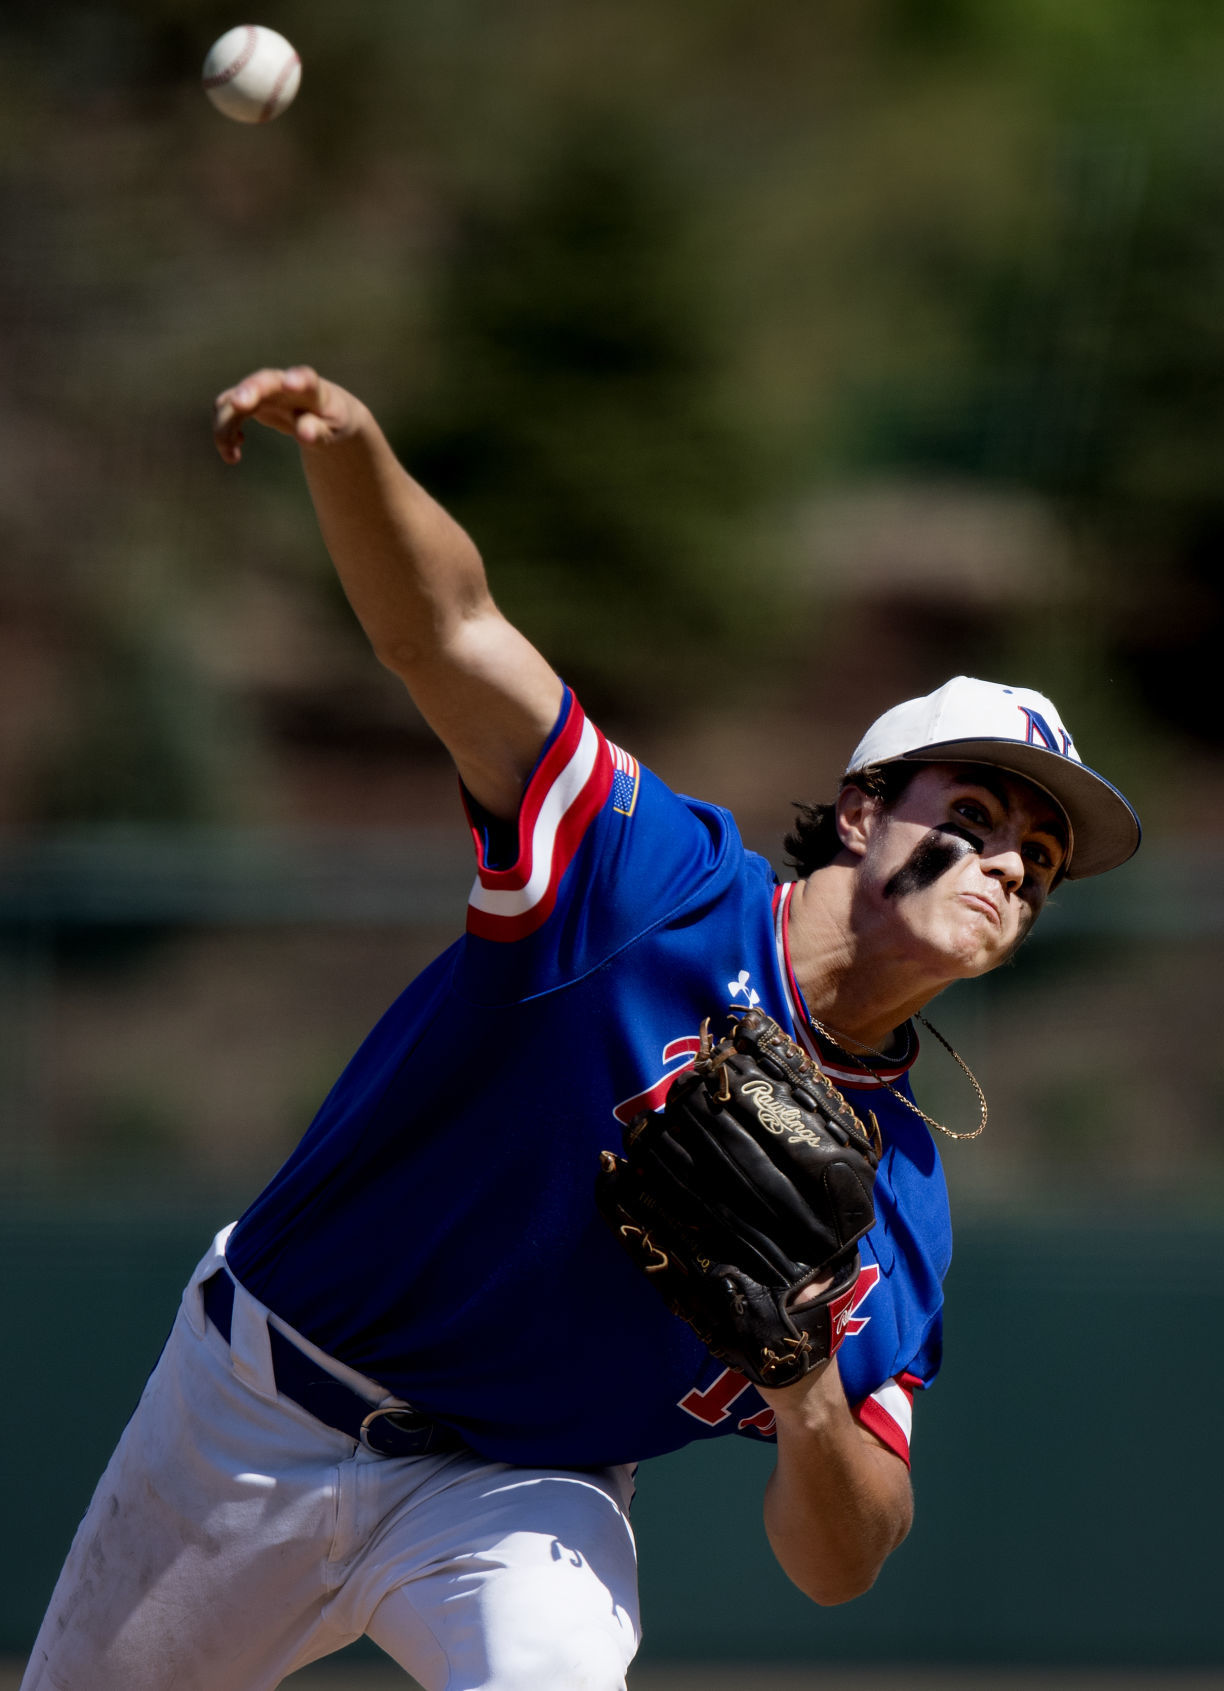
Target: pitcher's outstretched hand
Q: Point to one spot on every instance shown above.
(296, 402)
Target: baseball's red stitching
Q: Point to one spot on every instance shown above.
(219, 78)
(273, 98)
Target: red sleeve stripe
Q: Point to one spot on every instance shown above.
(889, 1414)
(563, 797)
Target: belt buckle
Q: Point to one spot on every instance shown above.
(395, 1414)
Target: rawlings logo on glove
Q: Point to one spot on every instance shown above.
(779, 1118)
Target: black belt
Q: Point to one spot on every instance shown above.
(390, 1432)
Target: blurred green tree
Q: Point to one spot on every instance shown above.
(576, 424)
(144, 741)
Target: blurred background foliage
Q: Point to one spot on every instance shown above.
(781, 362)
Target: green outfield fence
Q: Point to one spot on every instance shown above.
(1069, 1496)
(1068, 1486)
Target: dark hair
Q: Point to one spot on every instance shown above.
(814, 840)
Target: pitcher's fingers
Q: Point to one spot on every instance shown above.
(294, 401)
(293, 389)
(254, 395)
(228, 442)
(227, 427)
(231, 408)
(304, 384)
(319, 410)
(247, 395)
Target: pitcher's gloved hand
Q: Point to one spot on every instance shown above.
(753, 1183)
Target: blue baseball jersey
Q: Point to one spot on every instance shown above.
(436, 1229)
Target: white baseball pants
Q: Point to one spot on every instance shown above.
(233, 1539)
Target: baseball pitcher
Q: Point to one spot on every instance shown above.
(634, 1163)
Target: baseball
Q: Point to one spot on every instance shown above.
(251, 74)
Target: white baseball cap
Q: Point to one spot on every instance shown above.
(1016, 729)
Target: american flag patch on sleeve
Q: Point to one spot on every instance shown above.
(625, 775)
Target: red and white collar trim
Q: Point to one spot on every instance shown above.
(871, 1073)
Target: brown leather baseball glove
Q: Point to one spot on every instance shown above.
(753, 1183)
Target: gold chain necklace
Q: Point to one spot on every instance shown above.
(889, 1087)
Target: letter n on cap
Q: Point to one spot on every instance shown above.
(1039, 729)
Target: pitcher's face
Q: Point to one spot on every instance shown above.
(963, 862)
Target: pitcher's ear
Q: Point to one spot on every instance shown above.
(855, 813)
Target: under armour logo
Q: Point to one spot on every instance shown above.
(741, 985)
